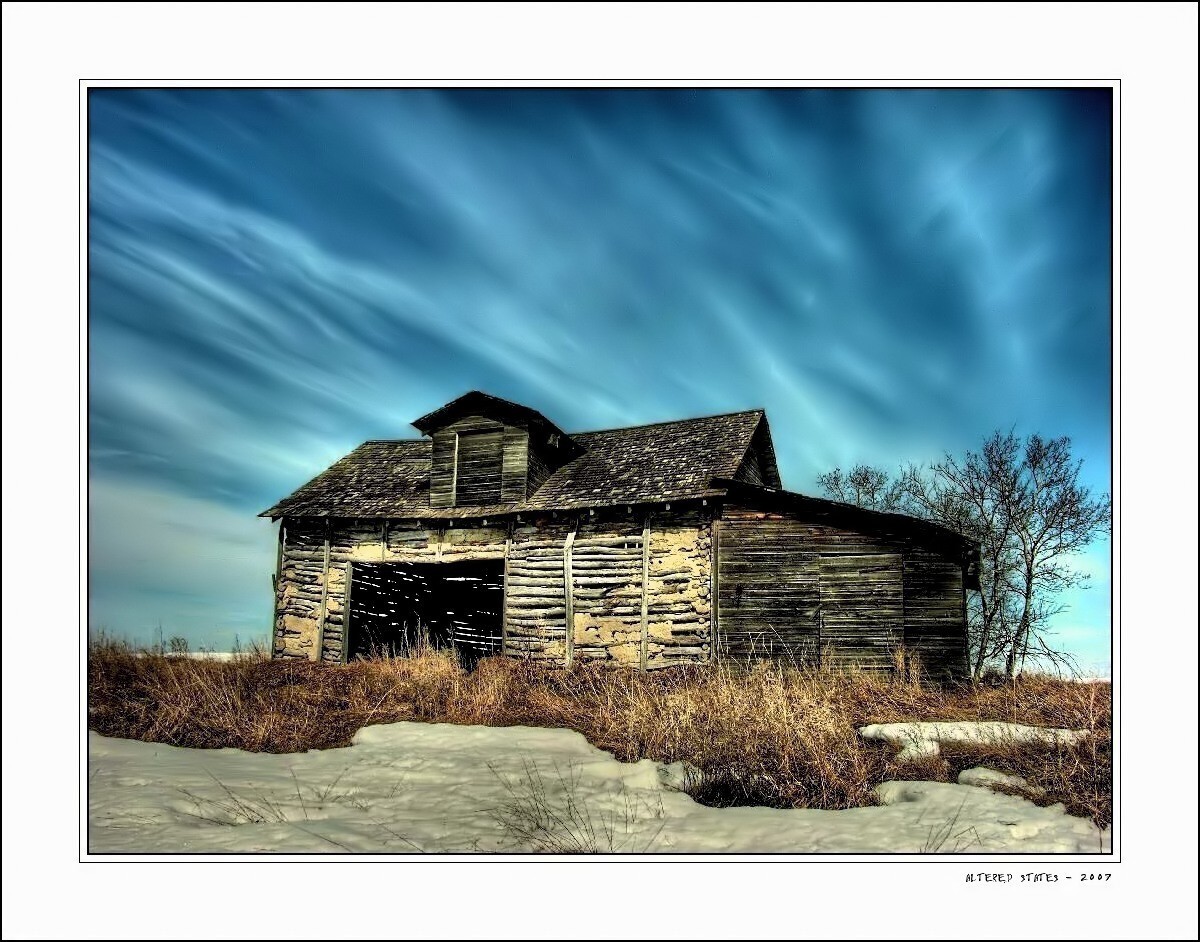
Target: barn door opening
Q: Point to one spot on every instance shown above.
(395, 608)
(862, 610)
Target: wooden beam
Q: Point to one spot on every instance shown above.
(346, 614)
(714, 590)
(504, 599)
(324, 597)
(383, 538)
(644, 652)
(569, 593)
(279, 551)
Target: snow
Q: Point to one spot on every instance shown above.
(986, 778)
(923, 740)
(411, 787)
(209, 655)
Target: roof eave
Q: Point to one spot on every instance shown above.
(969, 546)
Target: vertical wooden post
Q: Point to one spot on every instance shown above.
(441, 531)
(569, 593)
(324, 597)
(714, 591)
(644, 652)
(962, 591)
(383, 538)
(277, 588)
(504, 599)
(346, 614)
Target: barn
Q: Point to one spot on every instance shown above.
(497, 532)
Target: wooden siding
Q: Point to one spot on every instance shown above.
(539, 468)
(441, 468)
(769, 583)
(478, 461)
(862, 610)
(758, 467)
(750, 471)
(479, 469)
(935, 613)
(644, 594)
(516, 464)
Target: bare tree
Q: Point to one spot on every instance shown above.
(863, 486)
(1053, 517)
(1022, 500)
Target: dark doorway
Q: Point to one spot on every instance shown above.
(397, 607)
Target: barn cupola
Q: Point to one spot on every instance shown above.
(490, 451)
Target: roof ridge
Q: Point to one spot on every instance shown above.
(695, 418)
(594, 431)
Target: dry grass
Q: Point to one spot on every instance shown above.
(770, 735)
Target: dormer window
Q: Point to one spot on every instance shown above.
(478, 468)
(490, 451)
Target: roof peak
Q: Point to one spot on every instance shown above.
(477, 401)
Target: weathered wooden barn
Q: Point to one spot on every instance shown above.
(651, 546)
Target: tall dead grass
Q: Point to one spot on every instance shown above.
(767, 735)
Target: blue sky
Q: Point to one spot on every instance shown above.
(277, 275)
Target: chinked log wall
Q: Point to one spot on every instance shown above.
(636, 588)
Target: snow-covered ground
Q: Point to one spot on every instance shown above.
(918, 740)
(440, 788)
(209, 655)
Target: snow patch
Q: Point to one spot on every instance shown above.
(923, 740)
(410, 787)
(986, 778)
(209, 655)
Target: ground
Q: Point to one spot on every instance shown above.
(409, 787)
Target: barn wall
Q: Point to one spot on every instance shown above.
(769, 579)
(535, 599)
(606, 591)
(607, 561)
(934, 613)
(679, 608)
(299, 589)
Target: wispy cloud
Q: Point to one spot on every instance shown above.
(277, 275)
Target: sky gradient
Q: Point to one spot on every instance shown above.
(276, 276)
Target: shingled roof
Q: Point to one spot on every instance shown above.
(642, 464)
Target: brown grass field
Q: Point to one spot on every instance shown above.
(764, 735)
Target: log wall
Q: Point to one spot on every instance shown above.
(679, 607)
(610, 561)
(639, 591)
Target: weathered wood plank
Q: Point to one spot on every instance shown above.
(644, 646)
(568, 588)
(318, 652)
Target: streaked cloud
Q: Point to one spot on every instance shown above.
(278, 275)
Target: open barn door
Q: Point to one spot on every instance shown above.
(395, 608)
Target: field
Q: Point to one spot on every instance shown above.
(769, 736)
